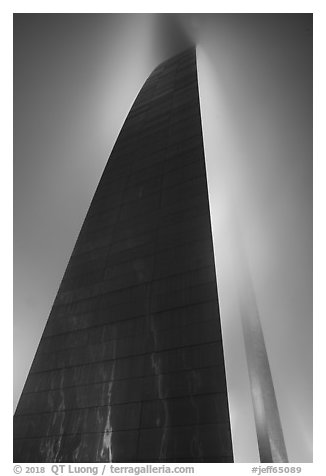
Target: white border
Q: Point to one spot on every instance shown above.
(316, 7)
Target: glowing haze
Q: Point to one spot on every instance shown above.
(75, 79)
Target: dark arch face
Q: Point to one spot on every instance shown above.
(130, 366)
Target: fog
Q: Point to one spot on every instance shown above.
(75, 78)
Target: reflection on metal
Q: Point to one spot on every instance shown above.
(107, 447)
(267, 419)
(135, 330)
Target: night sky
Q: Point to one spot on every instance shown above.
(75, 79)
